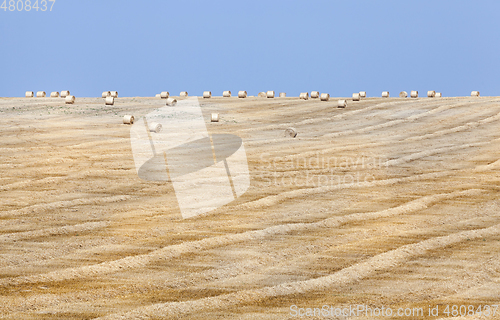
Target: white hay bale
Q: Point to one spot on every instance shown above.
(171, 102)
(29, 94)
(69, 99)
(290, 133)
(314, 94)
(356, 97)
(54, 94)
(242, 94)
(403, 94)
(341, 103)
(128, 119)
(282, 94)
(438, 95)
(325, 97)
(158, 95)
(262, 95)
(64, 94)
(109, 101)
(414, 94)
(207, 94)
(106, 94)
(385, 94)
(474, 94)
(183, 94)
(215, 117)
(362, 94)
(154, 127)
(41, 94)
(226, 94)
(164, 94)
(114, 94)
(270, 94)
(431, 94)
(304, 95)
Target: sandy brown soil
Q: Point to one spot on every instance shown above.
(388, 203)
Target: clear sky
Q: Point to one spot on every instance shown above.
(140, 48)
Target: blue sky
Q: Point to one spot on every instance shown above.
(140, 48)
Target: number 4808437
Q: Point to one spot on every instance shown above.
(26, 5)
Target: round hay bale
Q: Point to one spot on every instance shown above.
(40, 94)
(242, 94)
(304, 95)
(215, 117)
(262, 95)
(54, 94)
(69, 99)
(158, 95)
(171, 102)
(282, 95)
(29, 94)
(207, 94)
(414, 94)
(154, 127)
(106, 94)
(474, 94)
(385, 94)
(314, 94)
(356, 97)
(64, 94)
(403, 94)
(290, 133)
(109, 101)
(128, 119)
(324, 97)
(341, 103)
(183, 94)
(226, 94)
(164, 94)
(438, 95)
(270, 94)
(362, 94)
(114, 94)
(431, 94)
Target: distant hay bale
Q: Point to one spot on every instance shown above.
(154, 127)
(54, 94)
(29, 94)
(106, 94)
(474, 94)
(314, 94)
(325, 97)
(262, 95)
(40, 94)
(438, 95)
(183, 94)
(282, 95)
(109, 101)
(64, 94)
(164, 95)
(69, 99)
(226, 94)
(215, 117)
(414, 94)
(171, 102)
(114, 94)
(431, 94)
(242, 94)
(128, 119)
(341, 103)
(304, 95)
(385, 94)
(356, 97)
(270, 94)
(158, 95)
(290, 132)
(362, 94)
(403, 94)
(207, 94)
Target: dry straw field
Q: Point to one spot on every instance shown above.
(388, 202)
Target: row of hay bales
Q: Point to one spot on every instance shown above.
(68, 98)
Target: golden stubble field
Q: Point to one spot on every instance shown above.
(388, 203)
